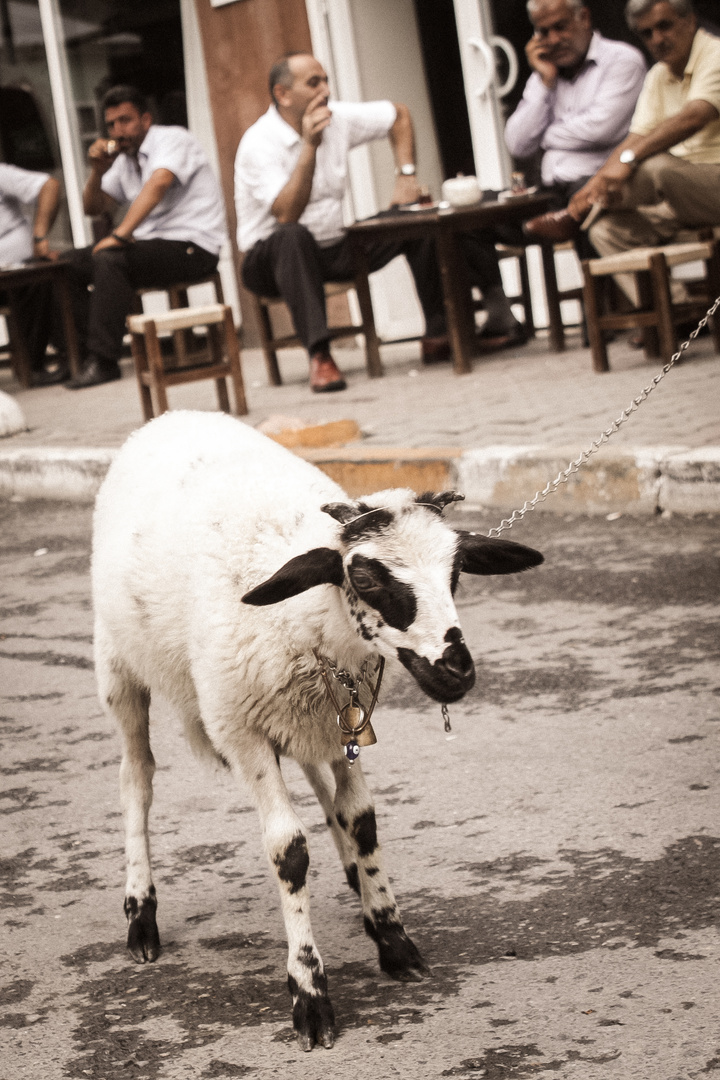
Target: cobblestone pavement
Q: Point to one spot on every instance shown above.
(520, 397)
(556, 856)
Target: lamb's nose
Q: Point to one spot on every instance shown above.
(457, 661)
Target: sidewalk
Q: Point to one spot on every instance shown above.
(498, 434)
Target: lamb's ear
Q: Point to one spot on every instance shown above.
(321, 566)
(491, 555)
(342, 512)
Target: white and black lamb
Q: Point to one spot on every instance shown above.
(223, 567)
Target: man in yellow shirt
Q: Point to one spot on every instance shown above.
(665, 176)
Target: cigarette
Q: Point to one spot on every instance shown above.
(111, 146)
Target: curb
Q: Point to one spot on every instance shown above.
(641, 481)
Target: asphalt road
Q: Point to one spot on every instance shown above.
(557, 857)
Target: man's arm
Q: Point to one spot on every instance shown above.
(46, 209)
(151, 194)
(402, 141)
(95, 200)
(290, 203)
(607, 183)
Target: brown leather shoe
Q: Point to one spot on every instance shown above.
(324, 375)
(435, 350)
(555, 227)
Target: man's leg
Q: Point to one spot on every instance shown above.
(290, 264)
(116, 274)
(337, 265)
(478, 248)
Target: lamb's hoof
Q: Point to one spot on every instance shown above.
(143, 939)
(398, 955)
(313, 1018)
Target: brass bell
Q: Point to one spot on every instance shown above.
(351, 721)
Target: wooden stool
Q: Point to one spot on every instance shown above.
(152, 375)
(177, 295)
(270, 343)
(657, 314)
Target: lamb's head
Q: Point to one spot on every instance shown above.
(397, 563)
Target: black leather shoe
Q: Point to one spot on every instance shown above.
(94, 373)
(51, 378)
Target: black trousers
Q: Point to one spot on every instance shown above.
(291, 264)
(115, 274)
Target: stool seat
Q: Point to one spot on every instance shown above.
(150, 365)
(178, 319)
(639, 259)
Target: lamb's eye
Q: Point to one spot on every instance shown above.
(365, 582)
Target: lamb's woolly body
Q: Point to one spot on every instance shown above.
(171, 562)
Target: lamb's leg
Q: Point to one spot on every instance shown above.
(355, 814)
(130, 704)
(286, 847)
(323, 784)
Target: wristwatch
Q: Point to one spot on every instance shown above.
(405, 170)
(628, 158)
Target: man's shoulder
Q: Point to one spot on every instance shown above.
(609, 49)
(160, 135)
(268, 130)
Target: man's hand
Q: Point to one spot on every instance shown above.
(316, 118)
(406, 190)
(107, 242)
(535, 52)
(102, 153)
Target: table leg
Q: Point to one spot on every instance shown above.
(458, 302)
(362, 288)
(66, 312)
(557, 330)
(18, 349)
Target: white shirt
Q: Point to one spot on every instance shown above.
(269, 151)
(18, 188)
(192, 209)
(581, 120)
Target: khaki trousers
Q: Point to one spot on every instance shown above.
(665, 195)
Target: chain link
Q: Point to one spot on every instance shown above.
(345, 677)
(563, 477)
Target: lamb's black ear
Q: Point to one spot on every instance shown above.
(491, 555)
(321, 566)
(342, 512)
(437, 501)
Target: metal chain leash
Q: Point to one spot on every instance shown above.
(563, 477)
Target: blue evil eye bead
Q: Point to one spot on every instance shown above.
(352, 751)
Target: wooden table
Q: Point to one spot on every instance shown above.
(34, 273)
(443, 226)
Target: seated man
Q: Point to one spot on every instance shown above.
(33, 305)
(290, 180)
(172, 231)
(665, 176)
(576, 106)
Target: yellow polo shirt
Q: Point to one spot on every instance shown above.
(663, 95)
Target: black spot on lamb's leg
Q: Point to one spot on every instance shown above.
(292, 865)
(143, 939)
(399, 958)
(364, 833)
(353, 878)
(341, 820)
(313, 1014)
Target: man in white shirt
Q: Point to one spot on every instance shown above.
(172, 230)
(577, 103)
(290, 180)
(33, 305)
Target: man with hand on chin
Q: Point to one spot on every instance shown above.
(290, 181)
(576, 106)
(172, 230)
(665, 176)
